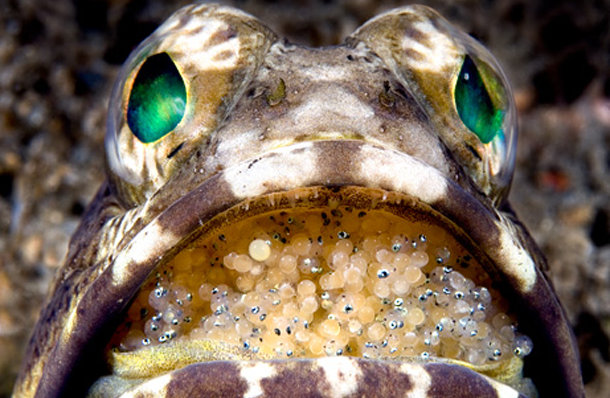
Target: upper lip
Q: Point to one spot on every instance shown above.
(283, 170)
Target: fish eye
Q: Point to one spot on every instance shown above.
(474, 103)
(157, 101)
(459, 84)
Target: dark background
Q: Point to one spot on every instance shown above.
(58, 60)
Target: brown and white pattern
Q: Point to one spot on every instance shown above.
(294, 118)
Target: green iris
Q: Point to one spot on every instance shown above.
(157, 100)
(474, 105)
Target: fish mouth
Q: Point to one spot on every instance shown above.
(303, 280)
(318, 272)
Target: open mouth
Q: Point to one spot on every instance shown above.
(282, 221)
(321, 272)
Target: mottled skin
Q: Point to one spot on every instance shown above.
(264, 117)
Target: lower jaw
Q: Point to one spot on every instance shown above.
(314, 377)
(332, 272)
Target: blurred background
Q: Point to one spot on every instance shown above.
(58, 60)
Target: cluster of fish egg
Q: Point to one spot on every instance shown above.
(316, 283)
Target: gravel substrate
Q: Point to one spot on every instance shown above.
(58, 60)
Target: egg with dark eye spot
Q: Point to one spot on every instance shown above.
(280, 220)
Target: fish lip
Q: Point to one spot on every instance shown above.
(280, 171)
(305, 377)
(313, 198)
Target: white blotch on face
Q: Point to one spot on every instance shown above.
(342, 374)
(253, 373)
(333, 103)
(207, 56)
(521, 266)
(292, 169)
(403, 173)
(441, 53)
(419, 377)
(149, 243)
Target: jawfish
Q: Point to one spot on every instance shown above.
(279, 220)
